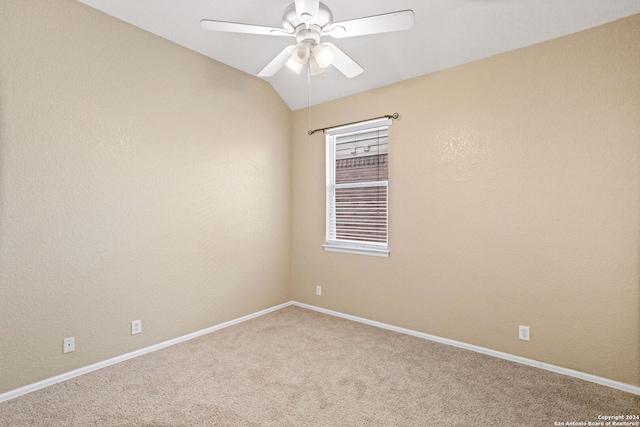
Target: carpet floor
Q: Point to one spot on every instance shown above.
(297, 367)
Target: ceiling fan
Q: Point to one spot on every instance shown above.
(308, 21)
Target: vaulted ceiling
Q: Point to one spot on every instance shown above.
(446, 33)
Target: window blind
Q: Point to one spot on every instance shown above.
(358, 178)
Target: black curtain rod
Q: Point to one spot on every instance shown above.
(394, 116)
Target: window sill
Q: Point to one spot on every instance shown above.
(356, 250)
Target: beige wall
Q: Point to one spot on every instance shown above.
(137, 180)
(515, 187)
(141, 180)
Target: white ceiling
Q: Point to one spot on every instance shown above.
(446, 33)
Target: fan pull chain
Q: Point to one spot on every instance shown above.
(308, 96)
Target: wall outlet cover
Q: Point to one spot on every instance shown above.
(136, 326)
(69, 345)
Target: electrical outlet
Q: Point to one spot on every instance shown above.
(69, 345)
(523, 333)
(136, 326)
(319, 290)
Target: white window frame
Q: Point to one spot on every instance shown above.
(352, 247)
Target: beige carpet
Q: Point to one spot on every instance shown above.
(296, 367)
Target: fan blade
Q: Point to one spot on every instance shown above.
(343, 62)
(277, 62)
(232, 27)
(308, 10)
(394, 21)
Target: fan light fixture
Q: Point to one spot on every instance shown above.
(317, 55)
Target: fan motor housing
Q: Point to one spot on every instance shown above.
(291, 22)
(311, 33)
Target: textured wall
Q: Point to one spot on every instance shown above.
(514, 191)
(141, 180)
(137, 180)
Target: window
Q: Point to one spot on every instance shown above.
(357, 188)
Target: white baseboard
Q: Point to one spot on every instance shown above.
(85, 370)
(546, 366)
